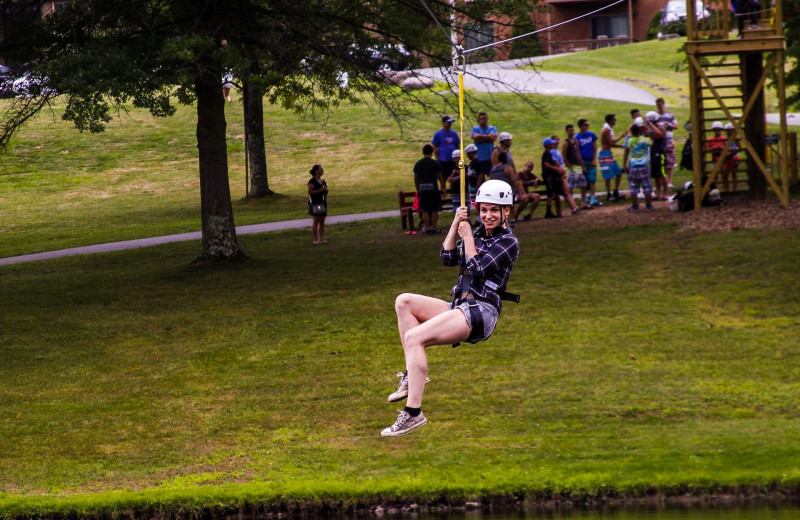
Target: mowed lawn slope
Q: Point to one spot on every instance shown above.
(640, 360)
(60, 188)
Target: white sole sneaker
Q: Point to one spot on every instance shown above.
(402, 393)
(404, 425)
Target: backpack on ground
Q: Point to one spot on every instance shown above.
(683, 200)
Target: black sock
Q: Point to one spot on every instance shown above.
(413, 412)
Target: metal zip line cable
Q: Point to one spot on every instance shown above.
(468, 51)
(460, 50)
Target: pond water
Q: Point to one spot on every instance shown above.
(760, 512)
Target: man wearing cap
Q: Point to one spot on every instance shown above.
(484, 137)
(504, 145)
(587, 144)
(444, 142)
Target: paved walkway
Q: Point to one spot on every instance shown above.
(505, 77)
(194, 235)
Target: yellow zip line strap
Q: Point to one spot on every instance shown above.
(461, 169)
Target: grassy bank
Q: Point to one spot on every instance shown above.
(60, 188)
(657, 66)
(640, 361)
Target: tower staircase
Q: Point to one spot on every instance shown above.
(727, 80)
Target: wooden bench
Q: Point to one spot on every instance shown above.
(406, 201)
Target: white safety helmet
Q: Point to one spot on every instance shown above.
(728, 126)
(638, 121)
(651, 116)
(715, 125)
(470, 148)
(504, 136)
(495, 191)
(456, 154)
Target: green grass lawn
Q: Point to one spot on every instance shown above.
(640, 360)
(60, 188)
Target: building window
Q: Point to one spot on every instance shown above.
(477, 34)
(610, 26)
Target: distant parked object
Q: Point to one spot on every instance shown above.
(6, 77)
(26, 85)
(675, 11)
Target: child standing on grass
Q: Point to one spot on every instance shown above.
(731, 166)
(637, 161)
(486, 259)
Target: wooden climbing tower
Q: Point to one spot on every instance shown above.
(728, 78)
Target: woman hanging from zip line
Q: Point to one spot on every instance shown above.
(486, 258)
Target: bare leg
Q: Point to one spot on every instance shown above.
(426, 221)
(314, 229)
(523, 202)
(534, 202)
(434, 219)
(584, 203)
(321, 229)
(568, 195)
(414, 309)
(443, 329)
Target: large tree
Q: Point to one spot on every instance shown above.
(307, 55)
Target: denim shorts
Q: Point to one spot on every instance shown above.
(488, 313)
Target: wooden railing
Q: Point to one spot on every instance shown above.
(562, 46)
(716, 20)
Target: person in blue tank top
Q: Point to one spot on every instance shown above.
(587, 144)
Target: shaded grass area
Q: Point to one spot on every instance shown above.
(640, 360)
(60, 188)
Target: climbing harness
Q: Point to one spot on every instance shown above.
(461, 294)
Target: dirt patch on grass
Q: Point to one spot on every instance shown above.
(736, 213)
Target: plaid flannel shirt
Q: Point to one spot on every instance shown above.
(493, 263)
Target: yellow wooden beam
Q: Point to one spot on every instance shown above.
(764, 44)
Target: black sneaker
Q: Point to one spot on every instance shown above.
(633, 209)
(549, 215)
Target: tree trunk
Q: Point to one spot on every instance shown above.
(754, 125)
(257, 155)
(219, 230)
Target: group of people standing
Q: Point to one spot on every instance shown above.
(566, 165)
